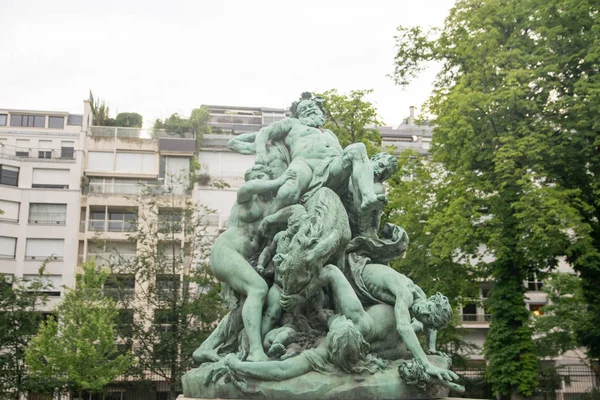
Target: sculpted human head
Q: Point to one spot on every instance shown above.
(347, 348)
(434, 312)
(308, 110)
(384, 165)
(258, 171)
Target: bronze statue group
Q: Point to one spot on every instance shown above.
(304, 264)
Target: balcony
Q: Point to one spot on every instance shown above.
(476, 319)
(65, 154)
(100, 225)
(42, 218)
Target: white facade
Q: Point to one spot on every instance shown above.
(41, 155)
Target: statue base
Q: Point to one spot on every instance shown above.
(384, 385)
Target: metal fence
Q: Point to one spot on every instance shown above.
(571, 383)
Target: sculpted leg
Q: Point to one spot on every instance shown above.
(291, 190)
(230, 267)
(274, 309)
(362, 176)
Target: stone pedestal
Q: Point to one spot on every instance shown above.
(385, 385)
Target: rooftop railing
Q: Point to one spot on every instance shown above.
(134, 133)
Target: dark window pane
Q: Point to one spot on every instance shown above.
(67, 152)
(15, 120)
(39, 121)
(97, 215)
(45, 154)
(9, 175)
(3, 118)
(56, 122)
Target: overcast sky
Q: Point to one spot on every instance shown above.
(159, 57)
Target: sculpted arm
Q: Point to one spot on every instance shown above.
(267, 254)
(276, 131)
(346, 299)
(244, 143)
(270, 370)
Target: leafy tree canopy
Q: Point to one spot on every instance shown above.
(129, 120)
(516, 130)
(352, 118)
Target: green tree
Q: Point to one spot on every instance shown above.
(20, 303)
(78, 352)
(101, 113)
(129, 120)
(197, 123)
(352, 118)
(175, 300)
(557, 328)
(416, 194)
(498, 134)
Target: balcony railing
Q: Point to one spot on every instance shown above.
(134, 133)
(43, 218)
(43, 258)
(476, 318)
(100, 225)
(66, 154)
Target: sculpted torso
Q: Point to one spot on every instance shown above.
(311, 144)
(243, 223)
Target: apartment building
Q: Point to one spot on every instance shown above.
(41, 156)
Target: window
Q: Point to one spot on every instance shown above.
(47, 214)
(119, 287)
(9, 175)
(136, 162)
(50, 283)
(45, 149)
(22, 149)
(469, 312)
(50, 178)
(100, 161)
(166, 285)
(67, 149)
(7, 247)
(121, 221)
(42, 249)
(37, 121)
(56, 122)
(3, 119)
(75, 119)
(124, 322)
(536, 309)
(11, 211)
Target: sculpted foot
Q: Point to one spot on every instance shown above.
(257, 356)
(276, 350)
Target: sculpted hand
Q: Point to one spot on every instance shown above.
(287, 175)
(261, 159)
(263, 227)
(260, 269)
(440, 373)
(232, 361)
(290, 301)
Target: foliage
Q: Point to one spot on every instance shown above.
(78, 352)
(129, 120)
(416, 194)
(174, 299)
(20, 303)
(197, 123)
(352, 118)
(516, 129)
(564, 313)
(101, 113)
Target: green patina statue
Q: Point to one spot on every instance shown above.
(314, 304)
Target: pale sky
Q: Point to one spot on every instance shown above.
(159, 57)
